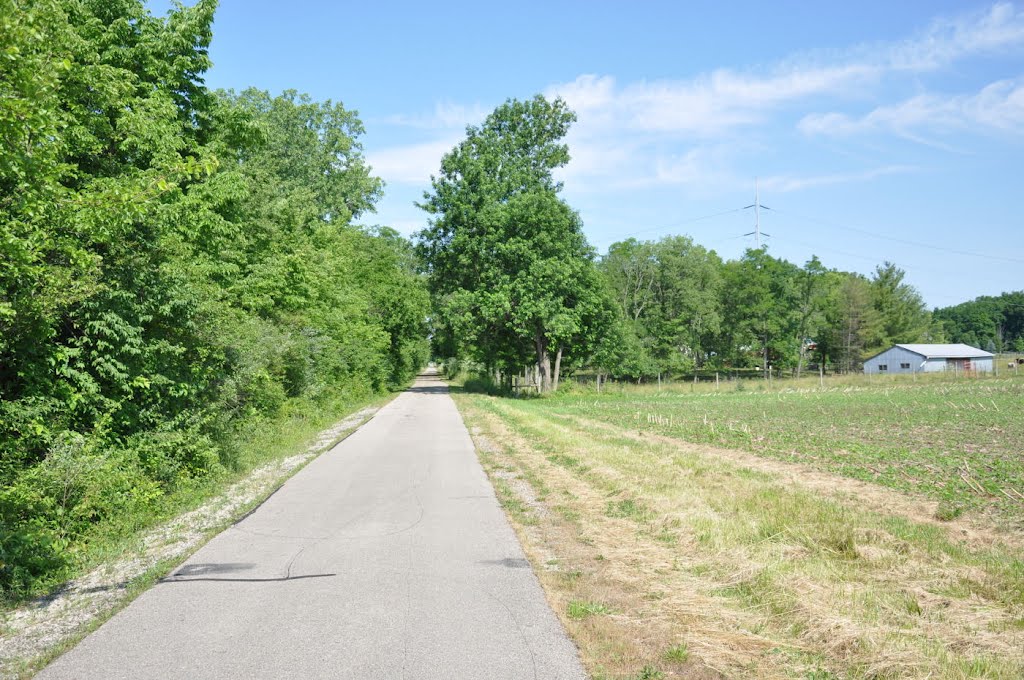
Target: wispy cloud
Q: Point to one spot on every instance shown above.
(723, 99)
(671, 131)
(445, 116)
(998, 106)
(786, 183)
(951, 38)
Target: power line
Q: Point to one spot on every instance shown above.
(895, 239)
(909, 268)
(682, 222)
(828, 250)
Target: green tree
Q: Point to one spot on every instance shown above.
(904, 317)
(760, 302)
(999, 320)
(854, 325)
(811, 296)
(509, 267)
(175, 265)
(669, 292)
(631, 270)
(688, 312)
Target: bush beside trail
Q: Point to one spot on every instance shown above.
(179, 269)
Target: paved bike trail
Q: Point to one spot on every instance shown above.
(387, 557)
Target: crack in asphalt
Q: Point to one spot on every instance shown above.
(245, 580)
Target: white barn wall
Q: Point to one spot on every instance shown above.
(893, 357)
(981, 365)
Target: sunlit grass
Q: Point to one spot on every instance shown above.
(748, 573)
(956, 440)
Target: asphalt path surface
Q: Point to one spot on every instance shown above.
(387, 557)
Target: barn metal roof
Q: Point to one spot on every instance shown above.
(955, 351)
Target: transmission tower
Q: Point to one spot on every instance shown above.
(756, 205)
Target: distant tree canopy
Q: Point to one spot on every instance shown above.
(683, 309)
(995, 324)
(176, 264)
(511, 273)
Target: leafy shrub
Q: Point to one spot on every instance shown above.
(173, 458)
(79, 485)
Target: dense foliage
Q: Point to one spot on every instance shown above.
(175, 265)
(512, 275)
(995, 324)
(682, 309)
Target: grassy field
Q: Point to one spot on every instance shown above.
(960, 441)
(862, 530)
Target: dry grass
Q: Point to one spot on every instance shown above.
(646, 548)
(956, 440)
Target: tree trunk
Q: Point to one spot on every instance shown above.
(543, 363)
(764, 358)
(558, 369)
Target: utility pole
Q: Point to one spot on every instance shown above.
(756, 205)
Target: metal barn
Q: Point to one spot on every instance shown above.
(930, 359)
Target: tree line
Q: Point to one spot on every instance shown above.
(683, 309)
(519, 292)
(995, 324)
(176, 265)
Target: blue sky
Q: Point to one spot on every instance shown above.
(877, 130)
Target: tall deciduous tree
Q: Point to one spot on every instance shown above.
(853, 324)
(759, 301)
(509, 267)
(669, 292)
(811, 296)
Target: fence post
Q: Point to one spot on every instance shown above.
(821, 375)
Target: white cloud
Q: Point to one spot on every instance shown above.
(703, 107)
(413, 163)
(951, 38)
(998, 106)
(445, 116)
(716, 102)
(673, 131)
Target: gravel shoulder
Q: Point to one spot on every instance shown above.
(31, 633)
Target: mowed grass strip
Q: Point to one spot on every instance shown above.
(958, 441)
(659, 550)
